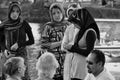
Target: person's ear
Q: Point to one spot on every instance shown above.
(100, 63)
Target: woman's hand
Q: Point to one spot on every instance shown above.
(50, 45)
(55, 44)
(14, 47)
(45, 46)
(67, 46)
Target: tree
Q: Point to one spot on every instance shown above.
(1, 1)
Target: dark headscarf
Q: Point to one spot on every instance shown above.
(10, 22)
(53, 23)
(10, 25)
(85, 21)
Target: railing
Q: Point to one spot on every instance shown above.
(106, 20)
(111, 57)
(108, 48)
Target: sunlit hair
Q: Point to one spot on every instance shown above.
(12, 65)
(46, 65)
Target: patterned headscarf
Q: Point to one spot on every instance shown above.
(56, 5)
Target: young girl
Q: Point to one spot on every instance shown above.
(54, 32)
(15, 68)
(46, 66)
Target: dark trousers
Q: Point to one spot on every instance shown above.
(75, 79)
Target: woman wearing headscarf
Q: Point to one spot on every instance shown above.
(79, 39)
(15, 30)
(53, 33)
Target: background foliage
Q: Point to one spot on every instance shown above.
(37, 12)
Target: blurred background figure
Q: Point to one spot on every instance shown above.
(71, 8)
(46, 66)
(14, 68)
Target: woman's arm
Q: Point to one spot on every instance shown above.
(29, 33)
(30, 37)
(90, 40)
(45, 43)
(55, 44)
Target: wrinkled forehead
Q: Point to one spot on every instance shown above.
(91, 58)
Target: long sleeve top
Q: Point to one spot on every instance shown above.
(25, 30)
(90, 41)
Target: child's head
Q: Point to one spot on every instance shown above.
(47, 65)
(15, 66)
(57, 12)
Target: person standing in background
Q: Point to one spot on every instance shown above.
(46, 66)
(53, 33)
(15, 30)
(79, 39)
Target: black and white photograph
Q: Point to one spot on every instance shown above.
(59, 39)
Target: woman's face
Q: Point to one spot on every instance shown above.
(57, 14)
(15, 13)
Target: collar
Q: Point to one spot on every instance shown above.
(102, 73)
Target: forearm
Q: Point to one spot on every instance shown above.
(30, 40)
(90, 40)
(80, 51)
(55, 44)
